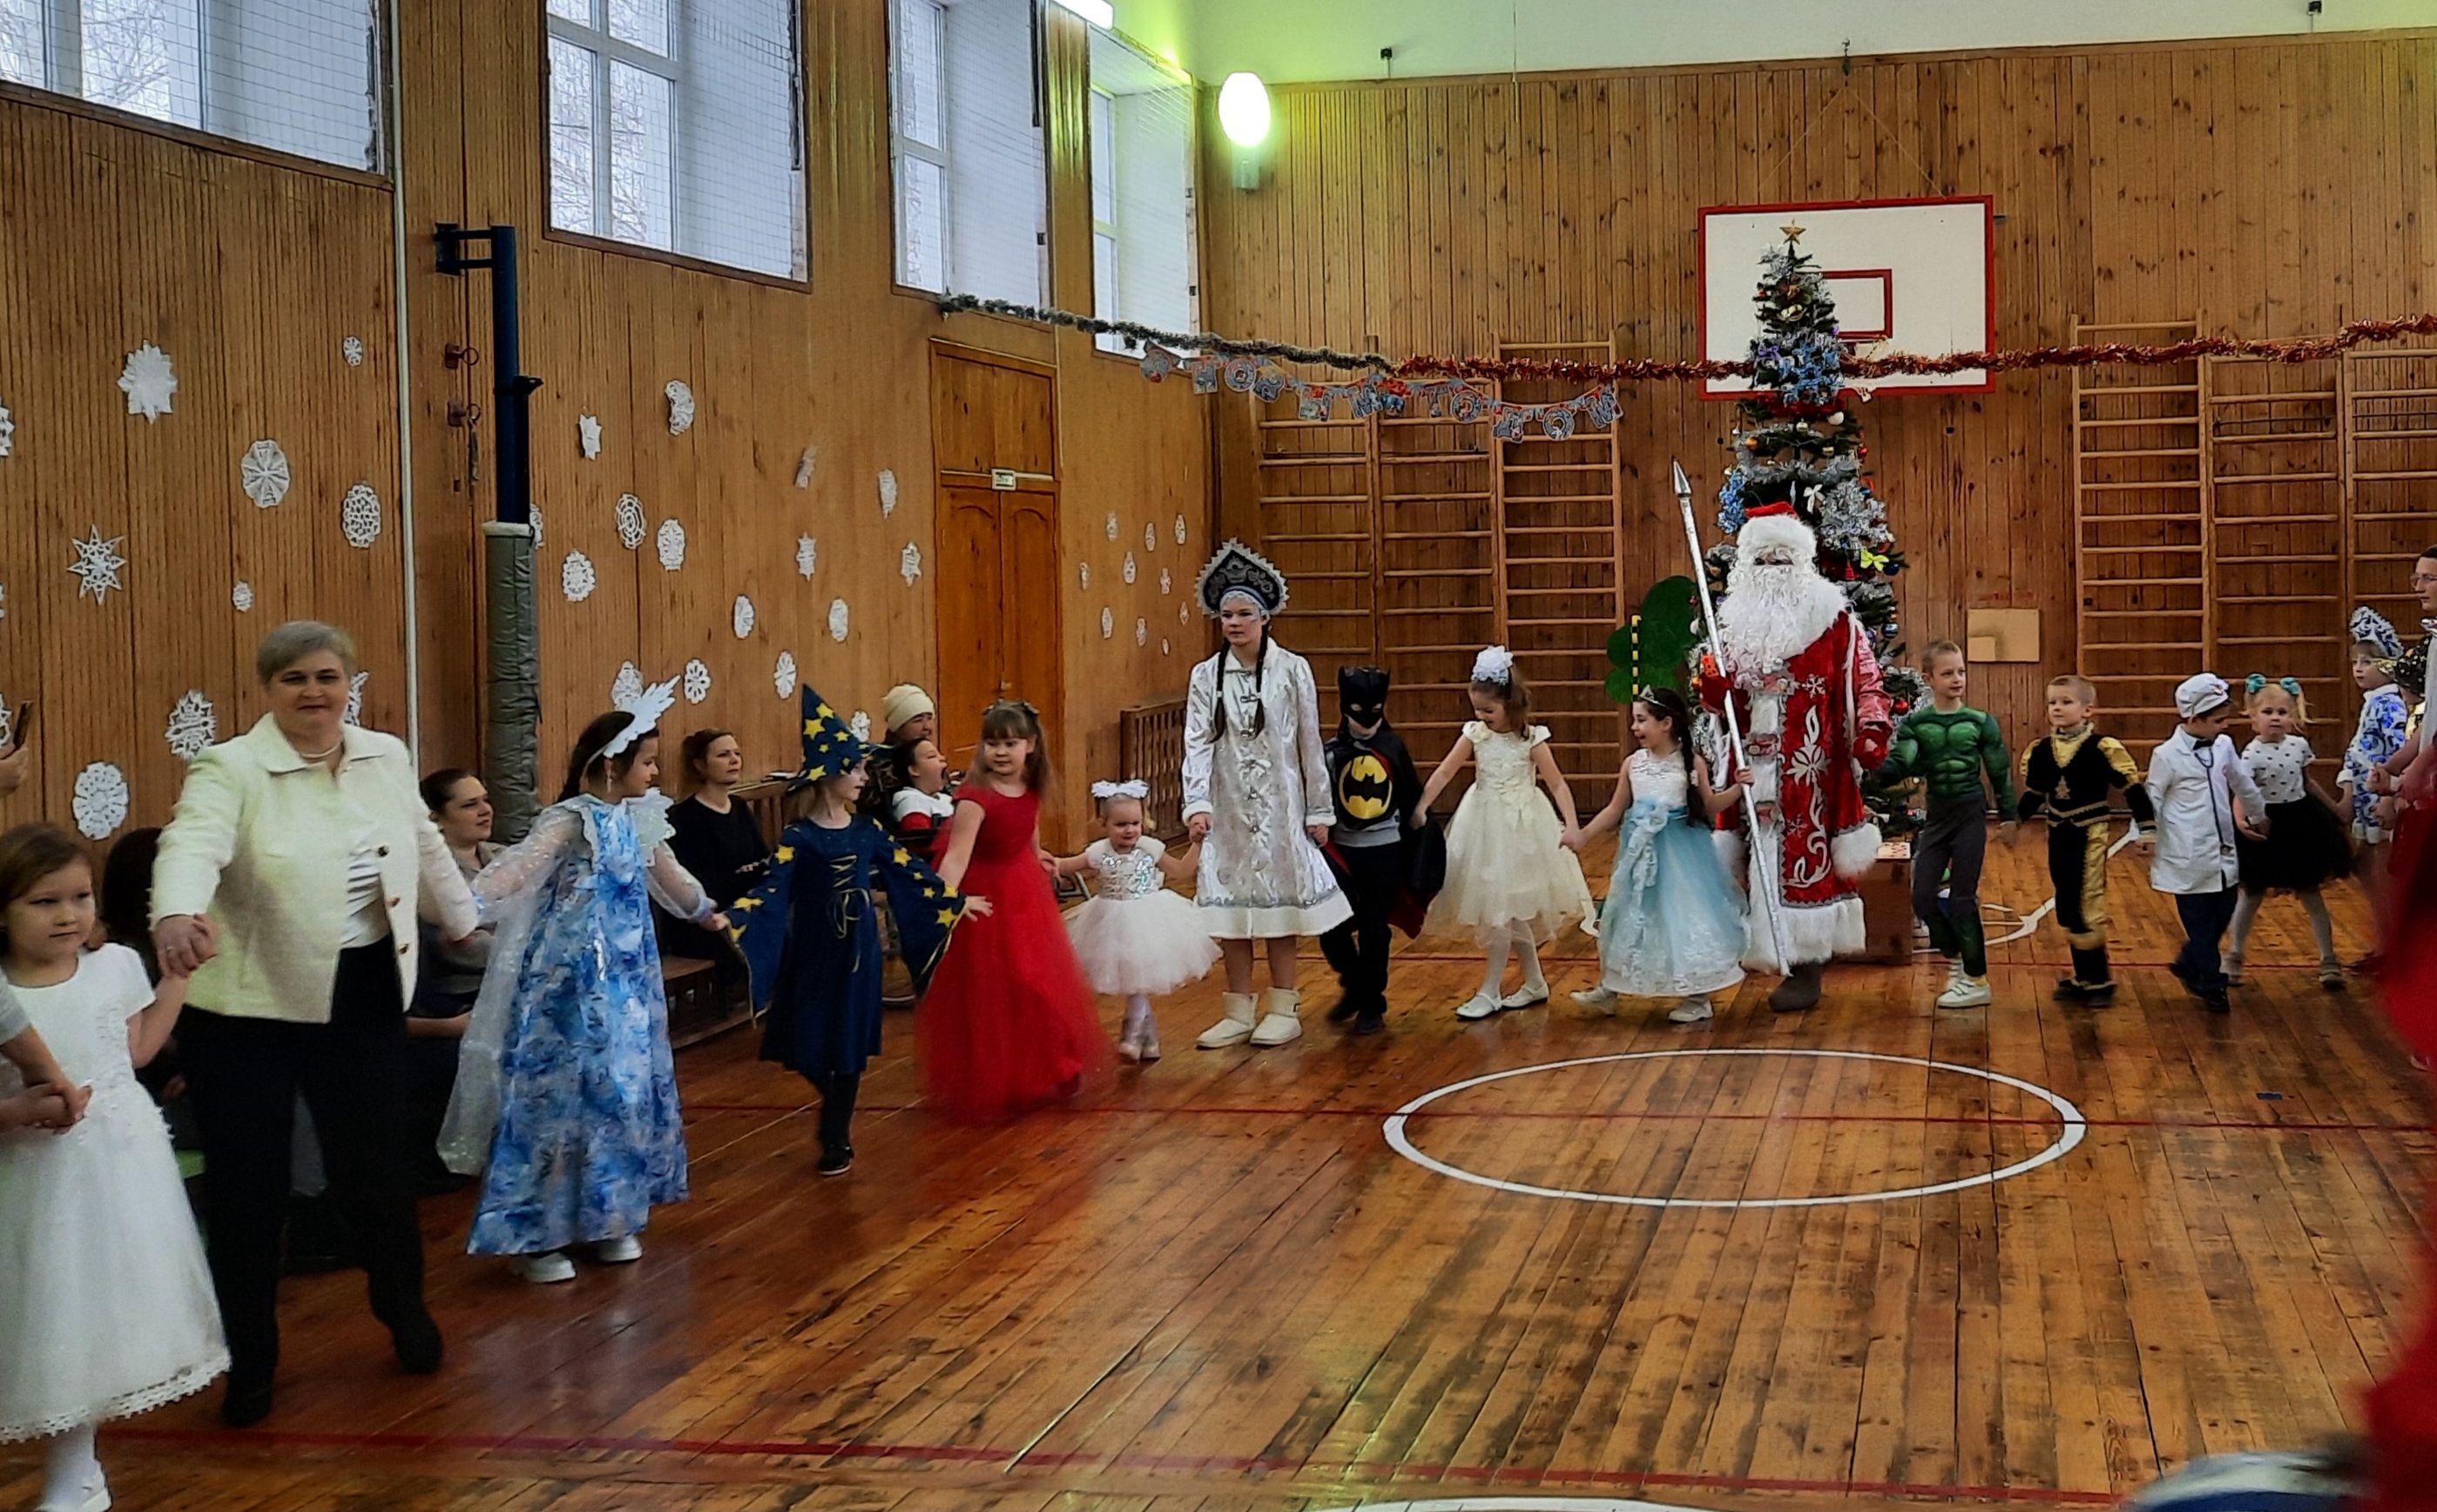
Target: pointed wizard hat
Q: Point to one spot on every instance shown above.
(831, 746)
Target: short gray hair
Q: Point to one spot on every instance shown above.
(298, 638)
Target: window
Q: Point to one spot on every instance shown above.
(298, 76)
(1141, 193)
(677, 124)
(965, 138)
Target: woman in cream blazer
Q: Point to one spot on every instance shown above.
(289, 882)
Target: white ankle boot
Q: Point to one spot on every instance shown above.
(1234, 1029)
(1280, 1023)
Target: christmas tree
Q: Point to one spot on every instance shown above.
(1801, 442)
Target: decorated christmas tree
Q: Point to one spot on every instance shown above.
(1800, 443)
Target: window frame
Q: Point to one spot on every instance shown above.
(1113, 345)
(1045, 248)
(901, 147)
(609, 50)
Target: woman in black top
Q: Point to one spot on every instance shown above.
(717, 839)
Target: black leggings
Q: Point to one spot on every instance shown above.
(1948, 852)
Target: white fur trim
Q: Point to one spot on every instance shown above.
(1854, 853)
(1814, 934)
(1730, 851)
(1777, 530)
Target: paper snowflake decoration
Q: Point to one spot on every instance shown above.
(360, 516)
(263, 471)
(353, 350)
(1150, 536)
(627, 686)
(532, 526)
(100, 801)
(697, 681)
(1083, 574)
(1180, 530)
(888, 492)
(1113, 525)
(587, 436)
(242, 597)
(1162, 645)
(1142, 631)
(741, 617)
(861, 725)
(355, 715)
(680, 407)
(8, 431)
(147, 382)
(4, 614)
(631, 525)
(804, 468)
(1108, 623)
(1129, 568)
(1166, 583)
(8, 722)
(671, 544)
(784, 679)
(1183, 614)
(576, 578)
(837, 618)
(96, 564)
(909, 563)
(808, 555)
(193, 724)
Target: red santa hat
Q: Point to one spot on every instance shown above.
(1778, 525)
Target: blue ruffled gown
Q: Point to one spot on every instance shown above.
(1673, 926)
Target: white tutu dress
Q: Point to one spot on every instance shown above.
(1135, 936)
(106, 1308)
(1505, 864)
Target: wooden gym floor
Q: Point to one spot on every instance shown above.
(1212, 1284)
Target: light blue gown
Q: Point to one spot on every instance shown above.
(1673, 926)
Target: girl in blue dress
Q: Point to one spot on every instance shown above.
(811, 938)
(567, 1096)
(1673, 926)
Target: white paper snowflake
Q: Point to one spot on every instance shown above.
(576, 577)
(784, 679)
(909, 563)
(1113, 525)
(804, 469)
(532, 526)
(627, 686)
(1108, 623)
(263, 471)
(680, 407)
(1185, 614)
(697, 681)
(1150, 538)
(1083, 574)
(631, 525)
(8, 431)
(808, 555)
(1166, 583)
(587, 436)
(1130, 570)
(96, 564)
(861, 725)
(100, 801)
(1162, 645)
(147, 382)
(360, 516)
(741, 617)
(1180, 530)
(888, 492)
(242, 597)
(193, 724)
(837, 618)
(4, 614)
(8, 722)
(1142, 631)
(672, 545)
(353, 350)
(355, 715)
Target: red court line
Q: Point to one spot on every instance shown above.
(2046, 1120)
(1200, 1464)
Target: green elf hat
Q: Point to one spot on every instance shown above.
(831, 746)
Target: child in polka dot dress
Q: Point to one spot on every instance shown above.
(2306, 844)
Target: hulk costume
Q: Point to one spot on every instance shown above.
(1950, 753)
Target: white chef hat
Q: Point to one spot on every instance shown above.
(2197, 695)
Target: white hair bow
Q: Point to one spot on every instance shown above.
(1133, 787)
(1495, 664)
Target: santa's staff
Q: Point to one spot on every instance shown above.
(1734, 727)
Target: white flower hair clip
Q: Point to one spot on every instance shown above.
(1495, 664)
(1133, 787)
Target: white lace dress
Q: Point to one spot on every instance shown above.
(1505, 865)
(1133, 935)
(106, 1306)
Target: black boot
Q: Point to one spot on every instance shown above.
(2093, 981)
(1800, 990)
(837, 1123)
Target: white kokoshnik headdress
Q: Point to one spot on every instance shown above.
(642, 712)
(1240, 570)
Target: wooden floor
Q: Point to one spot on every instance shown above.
(1211, 1284)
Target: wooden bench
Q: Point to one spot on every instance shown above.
(698, 1007)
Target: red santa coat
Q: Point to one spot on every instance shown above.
(1804, 725)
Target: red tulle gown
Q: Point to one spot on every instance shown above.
(1009, 1022)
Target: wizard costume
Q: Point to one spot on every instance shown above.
(811, 934)
(1375, 786)
(567, 1095)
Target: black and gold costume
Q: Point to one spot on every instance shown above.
(2070, 777)
(1374, 788)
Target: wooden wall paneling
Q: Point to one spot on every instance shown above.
(23, 631)
(2391, 466)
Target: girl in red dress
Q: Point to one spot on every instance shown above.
(1009, 1022)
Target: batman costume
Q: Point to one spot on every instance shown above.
(1372, 777)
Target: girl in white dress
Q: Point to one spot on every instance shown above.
(1135, 939)
(1510, 878)
(106, 1306)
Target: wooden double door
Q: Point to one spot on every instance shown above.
(993, 428)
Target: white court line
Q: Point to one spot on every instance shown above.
(1523, 1504)
(2074, 1127)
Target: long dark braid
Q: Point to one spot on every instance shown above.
(1219, 673)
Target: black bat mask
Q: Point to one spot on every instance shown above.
(1362, 694)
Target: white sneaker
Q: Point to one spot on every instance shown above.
(623, 1250)
(1966, 992)
(1531, 995)
(1479, 1006)
(1694, 1009)
(1953, 978)
(1598, 997)
(541, 1270)
(90, 1494)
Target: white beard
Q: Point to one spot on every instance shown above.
(1772, 612)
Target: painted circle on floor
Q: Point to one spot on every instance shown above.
(2074, 1127)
